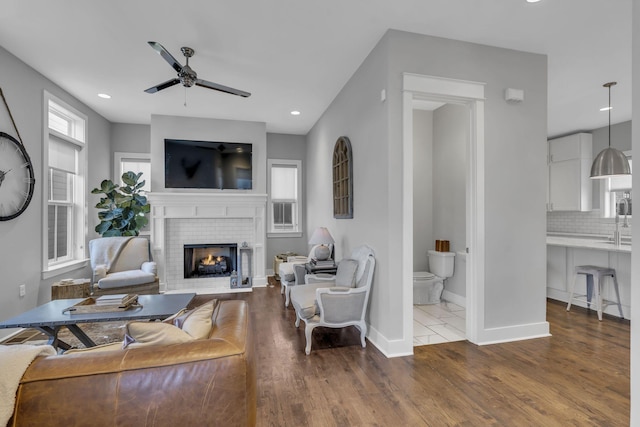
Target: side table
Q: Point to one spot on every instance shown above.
(72, 288)
(315, 269)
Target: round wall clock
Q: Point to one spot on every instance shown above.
(16, 178)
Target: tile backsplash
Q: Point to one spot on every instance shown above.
(584, 223)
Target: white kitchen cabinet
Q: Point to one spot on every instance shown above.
(569, 167)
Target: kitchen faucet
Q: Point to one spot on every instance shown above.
(625, 200)
(616, 233)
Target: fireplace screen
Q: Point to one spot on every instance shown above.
(210, 260)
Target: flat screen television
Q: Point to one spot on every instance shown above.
(207, 164)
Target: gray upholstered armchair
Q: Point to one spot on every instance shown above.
(288, 275)
(122, 265)
(339, 302)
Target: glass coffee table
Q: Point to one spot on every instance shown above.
(49, 317)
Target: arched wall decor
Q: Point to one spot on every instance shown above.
(342, 179)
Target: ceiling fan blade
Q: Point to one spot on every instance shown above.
(166, 55)
(164, 85)
(221, 88)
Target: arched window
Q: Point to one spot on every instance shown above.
(342, 179)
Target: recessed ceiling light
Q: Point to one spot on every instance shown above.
(533, 1)
(295, 113)
(104, 95)
(606, 108)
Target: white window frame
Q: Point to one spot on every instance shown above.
(77, 136)
(608, 196)
(297, 231)
(118, 157)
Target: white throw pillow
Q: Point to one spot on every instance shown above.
(142, 334)
(197, 322)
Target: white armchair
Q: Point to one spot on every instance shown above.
(339, 302)
(122, 265)
(288, 274)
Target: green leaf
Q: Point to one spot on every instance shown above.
(107, 186)
(141, 221)
(130, 178)
(140, 200)
(123, 207)
(103, 227)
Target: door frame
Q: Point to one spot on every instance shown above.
(470, 94)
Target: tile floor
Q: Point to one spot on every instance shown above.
(438, 323)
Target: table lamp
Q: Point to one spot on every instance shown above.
(321, 236)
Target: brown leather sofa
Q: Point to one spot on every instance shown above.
(209, 382)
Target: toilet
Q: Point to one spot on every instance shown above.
(428, 285)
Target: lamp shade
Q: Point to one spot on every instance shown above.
(321, 236)
(610, 162)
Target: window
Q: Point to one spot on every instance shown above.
(64, 163)
(614, 191)
(342, 179)
(134, 162)
(285, 196)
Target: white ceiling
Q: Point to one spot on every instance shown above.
(297, 54)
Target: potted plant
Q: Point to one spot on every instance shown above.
(124, 207)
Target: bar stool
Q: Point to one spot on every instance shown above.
(598, 274)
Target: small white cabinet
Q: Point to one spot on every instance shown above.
(569, 167)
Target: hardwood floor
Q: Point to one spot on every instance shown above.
(579, 376)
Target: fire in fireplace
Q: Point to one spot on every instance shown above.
(210, 260)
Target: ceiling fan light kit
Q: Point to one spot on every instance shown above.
(187, 75)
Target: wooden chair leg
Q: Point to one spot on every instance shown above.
(308, 333)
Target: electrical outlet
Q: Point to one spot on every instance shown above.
(23, 290)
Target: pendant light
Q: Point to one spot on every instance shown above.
(610, 162)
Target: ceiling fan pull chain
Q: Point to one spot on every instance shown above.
(185, 97)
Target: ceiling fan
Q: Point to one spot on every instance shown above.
(187, 75)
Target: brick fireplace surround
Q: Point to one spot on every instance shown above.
(179, 219)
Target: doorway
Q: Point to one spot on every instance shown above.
(471, 96)
(441, 135)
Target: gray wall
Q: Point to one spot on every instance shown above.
(21, 238)
(208, 130)
(130, 138)
(358, 114)
(450, 140)
(135, 138)
(515, 171)
(289, 147)
(514, 167)
(423, 239)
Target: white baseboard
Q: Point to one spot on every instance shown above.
(454, 298)
(390, 348)
(513, 333)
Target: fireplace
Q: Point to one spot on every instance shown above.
(179, 219)
(210, 260)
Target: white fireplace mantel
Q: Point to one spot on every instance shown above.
(179, 218)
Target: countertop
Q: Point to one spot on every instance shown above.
(583, 241)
